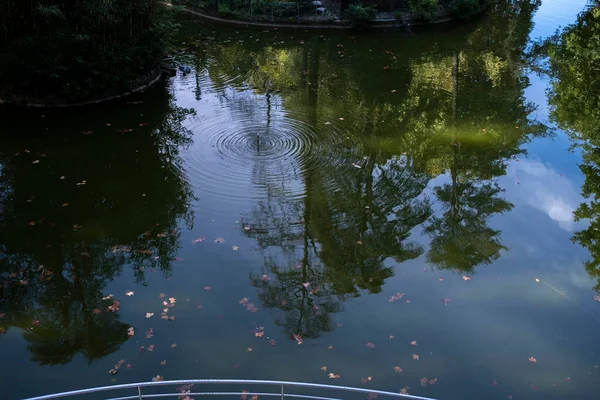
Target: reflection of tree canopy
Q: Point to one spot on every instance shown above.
(412, 111)
(574, 65)
(78, 207)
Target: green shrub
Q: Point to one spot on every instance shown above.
(359, 15)
(64, 51)
(466, 8)
(423, 9)
(224, 10)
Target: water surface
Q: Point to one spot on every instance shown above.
(387, 201)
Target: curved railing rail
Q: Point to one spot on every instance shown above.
(190, 384)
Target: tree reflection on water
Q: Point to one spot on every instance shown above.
(77, 209)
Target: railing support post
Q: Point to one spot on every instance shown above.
(282, 392)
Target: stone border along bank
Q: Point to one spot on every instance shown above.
(155, 78)
(377, 24)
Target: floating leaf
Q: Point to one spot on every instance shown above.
(298, 339)
(398, 370)
(172, 300)
(413, 343)
(466, 278)
(115, 306)
(597, 298)
(219, 240)
(306, 284)
(404, 390)
(272, 342)
(396, 297)
(113, 371)
(207, 288)
(532, 359)
(236, 248)
(151, 347)
(424, 381)
(149, 314)
(537, 280)
(415, 357)
(330, 347)
(249, 349)
(129, 293)
(370, 345)
(445, 300)
(199, 240)
(324, 368)
(391, 337)
(158, 378)
(163, 362)
(130, 331)
(333, 376)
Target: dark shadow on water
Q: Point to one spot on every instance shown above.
(85, 196)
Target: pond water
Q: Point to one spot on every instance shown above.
(395, 211)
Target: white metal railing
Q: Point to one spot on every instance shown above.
(189, 383)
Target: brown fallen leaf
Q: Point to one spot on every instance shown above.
(370, 345)
(396, 297)
(324, 368)
(130, 331)
(113, 371)
(199, 240)
(298, 339)
(404, 390)
(413, 343)
(150, 348)
(333, 376)
(158, 378)
(424, 381)
(397, 369)
(415, 356)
